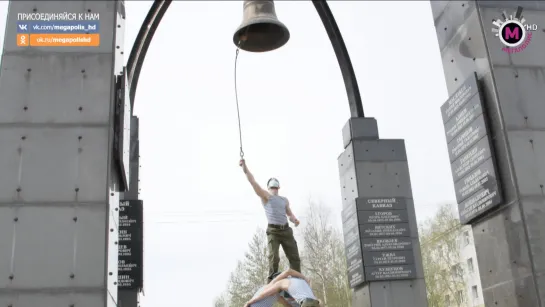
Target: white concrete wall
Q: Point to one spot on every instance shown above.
(471, 276)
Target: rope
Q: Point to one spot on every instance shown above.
(236, 99)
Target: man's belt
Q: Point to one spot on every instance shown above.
(285, 226)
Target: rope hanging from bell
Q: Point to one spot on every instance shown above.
(260, 31)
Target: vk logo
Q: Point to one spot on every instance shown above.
(22, 28)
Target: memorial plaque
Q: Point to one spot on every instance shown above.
(476, 180)
(130, 246)
(351, 236)
(350, 223)
(467, 138)
(483, 200)
(381, 203)
(374, 273)
(352, 261)
(385, 230)
(388, 258)
(354, 264)
(356, 277)
(353, 250)
(386, 244)
(467, 114)
(470, 152)
(383, 216)
(349, 211)
(462, 95)
(472, 158)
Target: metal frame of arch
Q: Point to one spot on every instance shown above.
(159, 8)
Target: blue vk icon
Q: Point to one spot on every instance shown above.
(23, 28)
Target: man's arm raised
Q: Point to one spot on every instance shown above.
(264, 195)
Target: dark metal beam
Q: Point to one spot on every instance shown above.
(349, 77)
(142, 42)
(158, 9)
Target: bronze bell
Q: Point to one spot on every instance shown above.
(260, 30)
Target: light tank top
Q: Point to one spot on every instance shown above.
(275, 210)
(299, 289)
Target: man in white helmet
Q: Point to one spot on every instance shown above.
(277, 209)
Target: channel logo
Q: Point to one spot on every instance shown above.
(513, 31)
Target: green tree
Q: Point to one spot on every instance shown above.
(324, 257)
(221, 301)
(250, 273)
(443, 269)
(256, 259)
(237, 287)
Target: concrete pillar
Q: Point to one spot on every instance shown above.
(58, 187)
(510, 239)
(379, 223)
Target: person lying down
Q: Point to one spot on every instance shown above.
(290, 282)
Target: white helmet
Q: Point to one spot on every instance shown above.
(273, 183)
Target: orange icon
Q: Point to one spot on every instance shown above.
(22, 40)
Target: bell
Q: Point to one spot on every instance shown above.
(260, 30)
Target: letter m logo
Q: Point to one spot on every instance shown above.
(510, 33)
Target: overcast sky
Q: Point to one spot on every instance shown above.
(200, 210)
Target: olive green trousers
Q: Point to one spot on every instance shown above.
(282, 237)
